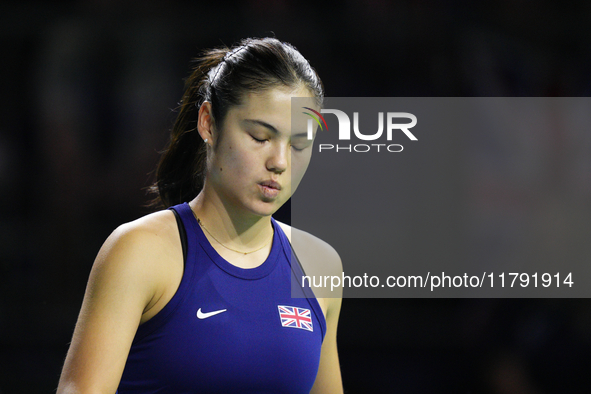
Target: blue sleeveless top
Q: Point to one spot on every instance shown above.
(229, 329)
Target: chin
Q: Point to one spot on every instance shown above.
(264, 208)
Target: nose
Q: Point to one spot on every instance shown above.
(279, 158)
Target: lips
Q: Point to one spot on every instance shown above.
(270, 189)
(271, 184)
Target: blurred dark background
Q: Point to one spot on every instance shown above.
(88, 89)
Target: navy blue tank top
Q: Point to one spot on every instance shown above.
(229, 329)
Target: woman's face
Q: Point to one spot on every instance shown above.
(258, 161)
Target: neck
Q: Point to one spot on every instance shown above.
(233, 228)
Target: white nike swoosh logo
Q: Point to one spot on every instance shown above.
(201, 315)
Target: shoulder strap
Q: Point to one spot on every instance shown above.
(295, 257)
(182, 232)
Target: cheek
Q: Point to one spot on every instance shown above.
(299, 166)
(236, 164)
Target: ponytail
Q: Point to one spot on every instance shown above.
(181, 169)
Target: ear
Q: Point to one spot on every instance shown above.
(205, 122)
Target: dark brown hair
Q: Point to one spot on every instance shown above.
(223, 76)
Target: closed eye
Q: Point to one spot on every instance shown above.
(301, 144)
(259, 141)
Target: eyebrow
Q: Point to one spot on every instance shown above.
(272, 128)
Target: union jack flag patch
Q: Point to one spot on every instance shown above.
(295, 317)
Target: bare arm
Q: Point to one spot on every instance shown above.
(319, 259)
(125, 281)
(328, 380)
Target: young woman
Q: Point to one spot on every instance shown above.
(197, 298)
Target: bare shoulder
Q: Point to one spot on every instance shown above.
(153, 234)
(317, 256)
(144, 254)
(304, 240)
(159, 225)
